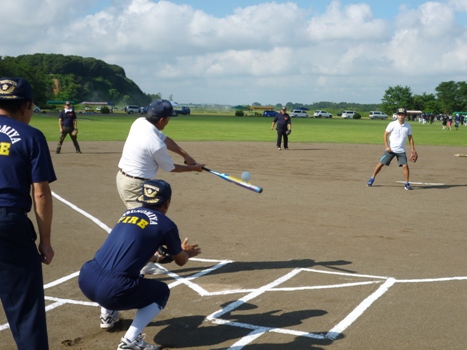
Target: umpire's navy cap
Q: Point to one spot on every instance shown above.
(155, 192)
(160, 108)
(15, 89)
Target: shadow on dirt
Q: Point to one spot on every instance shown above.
(238, 266)
(194, 331)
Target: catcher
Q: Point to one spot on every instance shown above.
(68, 124)
(397, 132)
(113, 277)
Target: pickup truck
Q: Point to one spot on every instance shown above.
(183, 111)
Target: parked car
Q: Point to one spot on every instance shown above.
(348, 114)
(130, 109)
(36, 109)
(269, 114)
(321, 114)
(378, 115)
(299, 113)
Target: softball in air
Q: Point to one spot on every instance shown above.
(246, 176)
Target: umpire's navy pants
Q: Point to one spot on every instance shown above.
(281, 134)
(21, 282)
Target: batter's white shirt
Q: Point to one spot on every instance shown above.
(398, 135)
(145, 151)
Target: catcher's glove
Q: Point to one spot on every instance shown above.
(164, 257)
(288, 132)
(413, 157)
(74, 132)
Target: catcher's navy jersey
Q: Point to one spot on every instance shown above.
(22, 147)
(135, 239)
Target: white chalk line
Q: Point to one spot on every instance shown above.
(252, 293)
(423, 183)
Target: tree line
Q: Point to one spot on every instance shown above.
(60, 77)
(450, 97)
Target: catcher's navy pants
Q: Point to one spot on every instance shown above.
(119, 291)
(21, 283)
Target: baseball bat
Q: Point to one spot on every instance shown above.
(235, 181)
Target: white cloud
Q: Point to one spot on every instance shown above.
(271, 52)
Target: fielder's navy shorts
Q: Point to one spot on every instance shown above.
(119, 291)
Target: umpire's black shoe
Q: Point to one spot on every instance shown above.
(57, 151)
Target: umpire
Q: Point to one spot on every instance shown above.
(283, 127)
(25, 165)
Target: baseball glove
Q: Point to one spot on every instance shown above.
(413, 157)
(288, 132)
(164, 257)
(74, 132)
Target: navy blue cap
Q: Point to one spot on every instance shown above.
(155, 192)
(15, 89)
(401, 111)
(160, 108)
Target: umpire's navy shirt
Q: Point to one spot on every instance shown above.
(68, 118)
(24, 159)
(282, 121)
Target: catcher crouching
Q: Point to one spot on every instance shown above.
(113, 279)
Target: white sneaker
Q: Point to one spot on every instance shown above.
(151, 269)
(108, 320)
(137, 344)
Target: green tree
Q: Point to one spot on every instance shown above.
(396, 97)
(447, 96)
(114, 95)
(421, 102)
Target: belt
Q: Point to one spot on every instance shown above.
(133, 177)
(7, 210)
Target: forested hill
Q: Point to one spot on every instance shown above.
(60, 77)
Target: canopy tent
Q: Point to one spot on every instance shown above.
(240, 107)
(89, 103)
(262, 108)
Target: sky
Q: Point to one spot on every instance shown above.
(242, 52)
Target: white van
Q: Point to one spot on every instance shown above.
(299, 113)
(130, 109)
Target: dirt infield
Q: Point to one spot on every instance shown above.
(317, 261)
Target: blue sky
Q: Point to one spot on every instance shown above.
(240, 52)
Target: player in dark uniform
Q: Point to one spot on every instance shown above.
(68, 123)
(113, 278)
(284, 127)
(25, 163)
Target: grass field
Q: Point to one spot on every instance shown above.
(231, 128)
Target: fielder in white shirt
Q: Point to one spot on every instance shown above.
(395, 137)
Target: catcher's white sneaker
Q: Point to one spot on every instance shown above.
(151, 269)
(108, 320)
(137, 344)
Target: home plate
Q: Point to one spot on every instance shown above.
(423, 183)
